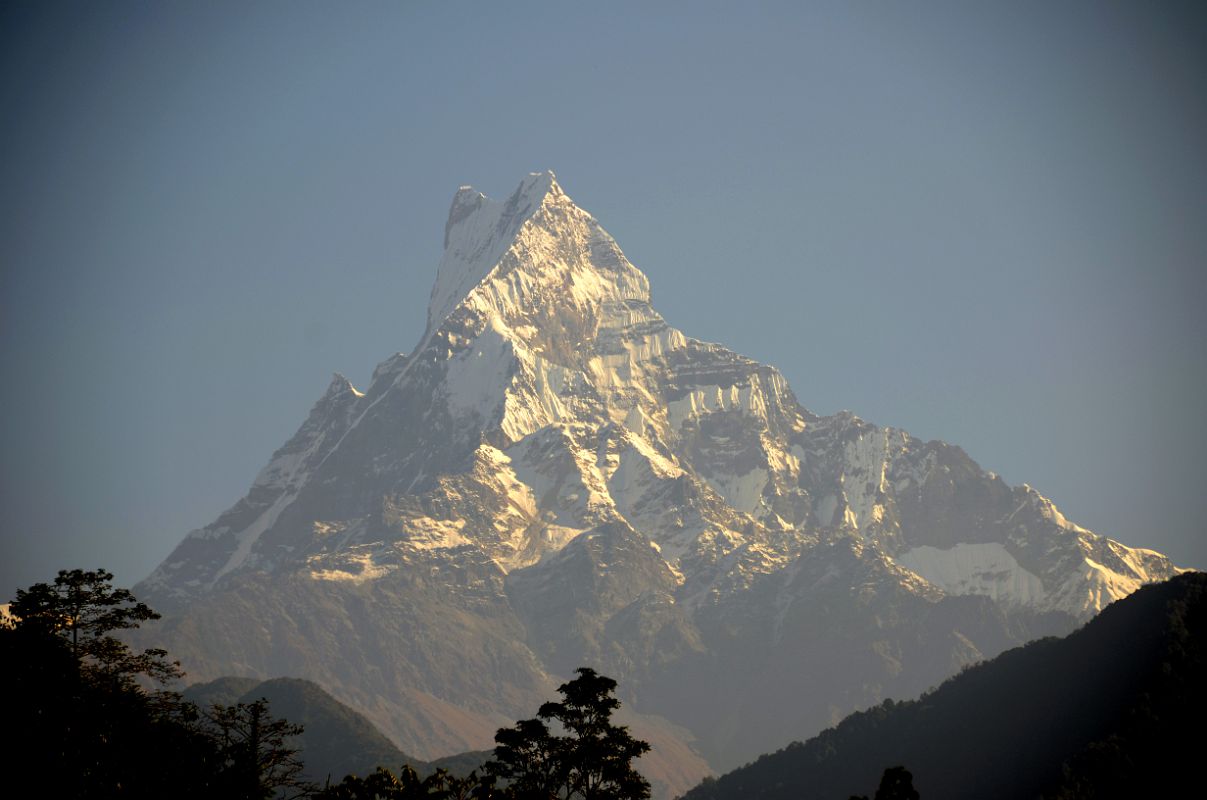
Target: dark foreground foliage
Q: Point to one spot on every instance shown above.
(79, 719)
(897, 783)
(592, 760)
(1112, 710)
(82, 722)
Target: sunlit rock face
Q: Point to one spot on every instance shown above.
(554, 477)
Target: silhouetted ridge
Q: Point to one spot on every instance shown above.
(336, 740)
(1102, 712)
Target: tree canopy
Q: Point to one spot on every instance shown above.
(83, 609)
(592, 759)
(79, 719)
(586, 757)
(897, 783)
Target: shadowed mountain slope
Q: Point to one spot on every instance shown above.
(1115, 709)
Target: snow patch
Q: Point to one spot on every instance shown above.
(354, 568)
(865, 462)
(984, 569)
(537, 402)
(251, 534)
(823, 512)
(477, 377)
(425, 533)
(709, 399)
(743, 492)
(555, 537)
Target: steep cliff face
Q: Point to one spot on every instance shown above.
(554, 476)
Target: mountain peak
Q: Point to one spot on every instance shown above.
(555, 476)
(531, 192)
(339, 385)
(477, 234)
(538, 185)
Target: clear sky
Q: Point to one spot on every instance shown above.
(984, 223)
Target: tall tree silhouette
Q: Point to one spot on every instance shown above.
(82, 723)
(83, 609)
(254, 752)
(592, 760)
(897, 783)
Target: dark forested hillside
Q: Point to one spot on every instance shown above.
(1112, 710)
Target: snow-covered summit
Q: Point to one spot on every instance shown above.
(478, 232)
(540, 327)
(555, 476)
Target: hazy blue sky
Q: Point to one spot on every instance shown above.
(986, 225)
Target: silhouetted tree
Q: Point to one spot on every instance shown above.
(83, 609)
(73, 704)
(79, 720)
(897, 783)
(383, 784)
(529, 758)
(255, 754)
(593, 760)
